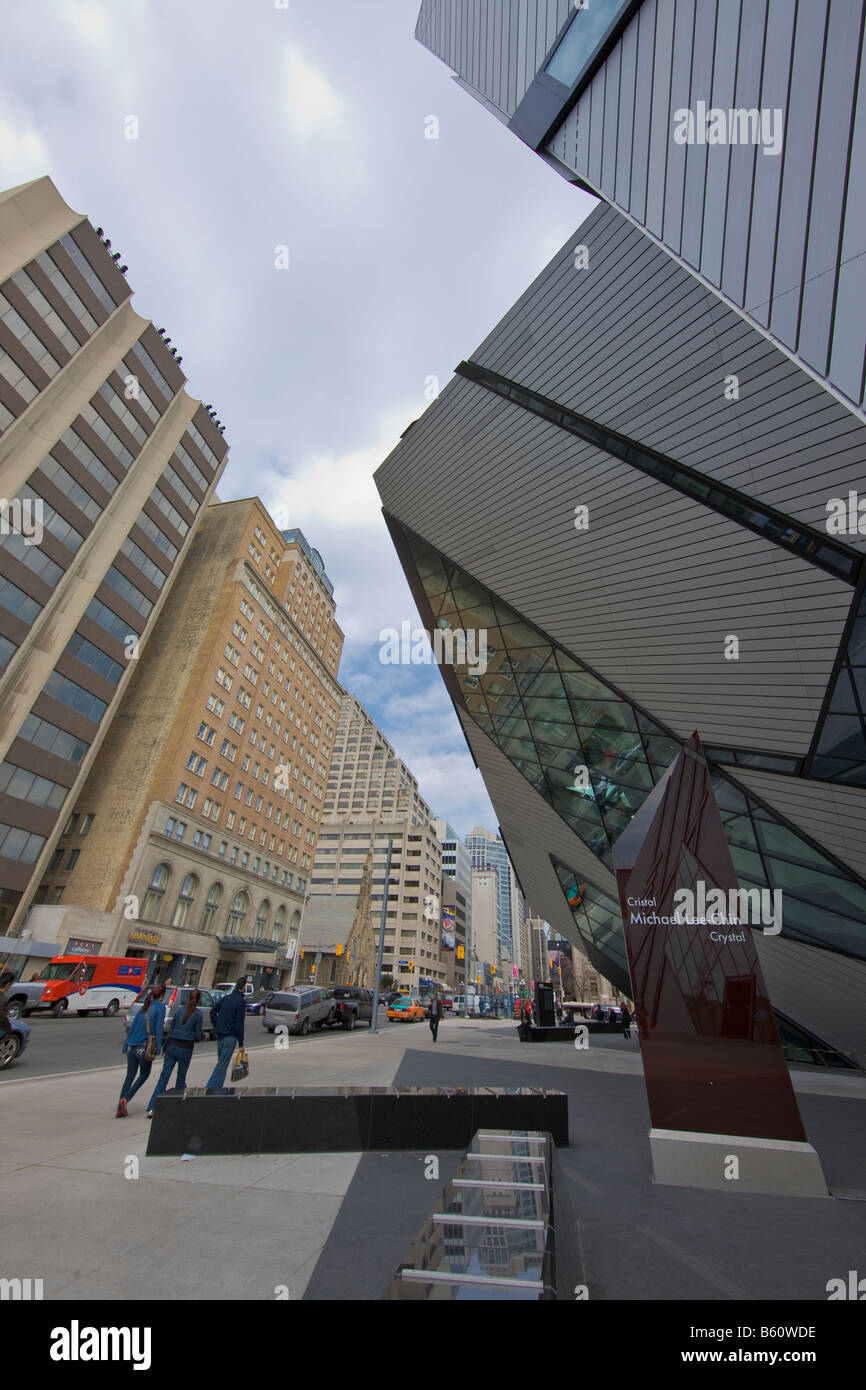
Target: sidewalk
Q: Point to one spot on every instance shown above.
(95, 1219)
(78, 1217)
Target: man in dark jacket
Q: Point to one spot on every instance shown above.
(228, 1015)
(436, 1012)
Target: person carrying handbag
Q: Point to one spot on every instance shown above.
(227, 1016)
(143, 1044)
(187, 1028)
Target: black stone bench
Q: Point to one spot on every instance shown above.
(347, 1119)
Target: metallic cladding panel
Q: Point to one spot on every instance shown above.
(638, 344)
(496, 45)
(821, 990)
(645, 596)
(766, 229)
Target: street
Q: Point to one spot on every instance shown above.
(76, 1043)
(81, 1044)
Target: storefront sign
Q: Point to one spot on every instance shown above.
(77, 946)
(150, 938)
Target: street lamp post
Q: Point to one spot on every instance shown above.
(297, 955)
(381, 951)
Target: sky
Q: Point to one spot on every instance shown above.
(313, 255)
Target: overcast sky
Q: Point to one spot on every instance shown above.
(304, 127)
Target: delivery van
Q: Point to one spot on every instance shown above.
(79, 985)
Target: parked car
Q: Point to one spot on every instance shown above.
(175, 998)
(256, 1002)
(299, 1009)
(353, 1005)
(13, 1046)
(405, 1010)
(228, 985)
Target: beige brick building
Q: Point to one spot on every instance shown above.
(373, 796)
(205, 803)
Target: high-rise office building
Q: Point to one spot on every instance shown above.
(679, 392)
(106, 465)
(485, 957)
(486, 849)
(373, 797)
(203, 807)
(456, 864)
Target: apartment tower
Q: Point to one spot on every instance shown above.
(106, 466)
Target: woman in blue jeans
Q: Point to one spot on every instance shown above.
(186, 1030)
(148, 1022)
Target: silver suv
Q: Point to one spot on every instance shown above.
(299, 1009)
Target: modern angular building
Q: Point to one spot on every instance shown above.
(203, 807)
(668, 435)
(106, 466)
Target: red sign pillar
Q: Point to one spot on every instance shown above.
(713, 1064)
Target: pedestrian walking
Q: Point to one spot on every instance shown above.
(527, 1014)
(185, 1031)
(626, 1021)
(436, 1012)
(227, 1016)
(143, 1044)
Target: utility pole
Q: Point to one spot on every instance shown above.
(297, 955)
(381, 950)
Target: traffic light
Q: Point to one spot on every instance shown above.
(411, 965)
(493, 968)
(461, 953)
(302, 955)
(339, 948)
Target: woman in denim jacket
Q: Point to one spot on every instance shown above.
(138, 1065)
(186, 1030)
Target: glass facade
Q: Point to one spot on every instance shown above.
(593, 756)
(840, 755)
(583, 38)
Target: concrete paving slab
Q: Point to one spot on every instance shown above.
(323, 1174)
(238, 1247)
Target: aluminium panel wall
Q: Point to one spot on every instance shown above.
(497, 46)
(647, 595)
(818, 989)
(786, 214)
(637, 343)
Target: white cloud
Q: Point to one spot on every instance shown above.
(310, 102)
(23, 156)
(90, 21)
